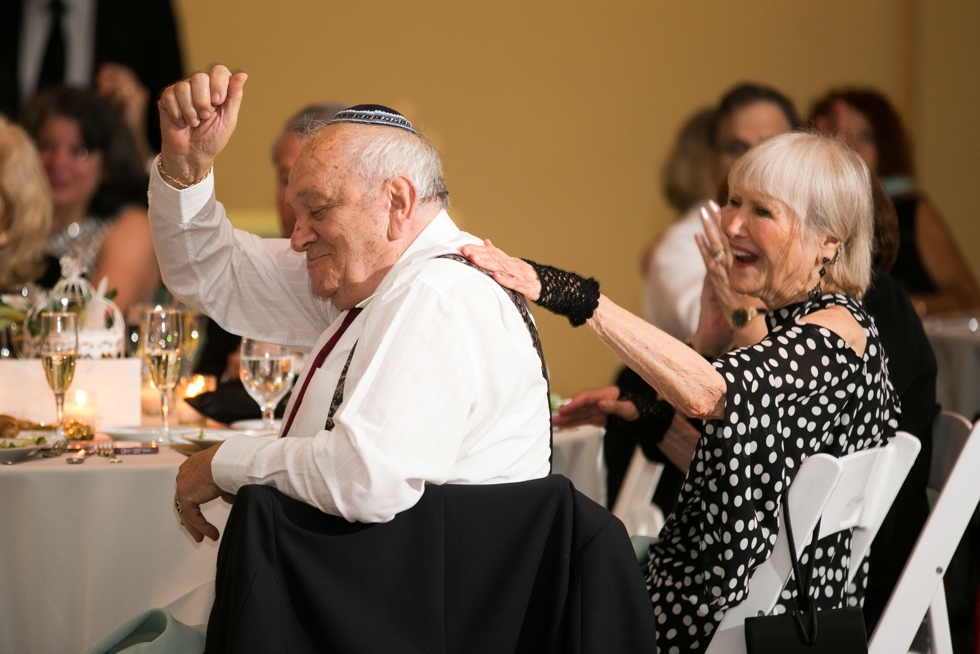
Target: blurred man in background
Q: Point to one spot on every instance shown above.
(286, 148)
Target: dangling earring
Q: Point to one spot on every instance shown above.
(816, 291)
(840, 247)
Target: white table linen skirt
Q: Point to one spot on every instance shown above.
(956, 343)
(578, 455)
(83, 548)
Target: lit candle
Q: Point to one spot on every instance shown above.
(197, 385)
(81, 405)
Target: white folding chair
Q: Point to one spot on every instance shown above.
(633, 506)
(950, 433)
(853, 492)
(956, 458)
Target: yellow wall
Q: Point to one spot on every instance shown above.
(553, 119)
(947, 115)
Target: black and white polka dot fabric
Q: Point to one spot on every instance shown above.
(799, 392)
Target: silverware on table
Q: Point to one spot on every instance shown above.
(108, 450)
(78, 457)
(57, 448)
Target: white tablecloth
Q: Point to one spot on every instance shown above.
(83, 548)
(956, 342)
(578, 456)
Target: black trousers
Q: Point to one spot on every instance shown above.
(525, 567)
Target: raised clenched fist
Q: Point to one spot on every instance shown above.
(197, 117)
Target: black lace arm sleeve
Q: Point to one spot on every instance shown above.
(655, 414)
(566, 293)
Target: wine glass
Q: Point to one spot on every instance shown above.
(267, 372)
(59, 347)
(193, 323)
(162, 340)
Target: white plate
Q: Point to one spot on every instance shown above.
(14, 454)
(255, 425)
(212, 437)
(148, 433)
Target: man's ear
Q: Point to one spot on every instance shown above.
(401, 205)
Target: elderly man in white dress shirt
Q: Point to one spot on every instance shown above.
(446, 383)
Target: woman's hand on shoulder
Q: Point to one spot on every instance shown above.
(593, 407)
(509, 272)
(840, 321)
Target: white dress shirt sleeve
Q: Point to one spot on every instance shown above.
(411, 395)
(245, 283)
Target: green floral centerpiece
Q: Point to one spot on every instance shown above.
(101, 329)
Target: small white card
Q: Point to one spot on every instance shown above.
(104, 392)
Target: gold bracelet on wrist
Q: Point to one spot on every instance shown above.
(181, 185)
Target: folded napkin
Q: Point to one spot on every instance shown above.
(152, 632)
(229, 403)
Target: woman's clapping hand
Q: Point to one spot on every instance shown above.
(718, 298)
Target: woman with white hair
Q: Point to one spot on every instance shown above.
(798, 236)
(25, 209)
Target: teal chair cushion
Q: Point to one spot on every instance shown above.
(641, 547)
(151, 632)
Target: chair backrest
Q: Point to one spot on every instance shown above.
(633, 504)
(923, 573)
(853, 492)
(950, 432)
(865, 492)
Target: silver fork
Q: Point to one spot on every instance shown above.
(57, 448)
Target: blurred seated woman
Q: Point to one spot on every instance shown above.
(25, 209)
(799, 237)
(929, 265)
(98, 187)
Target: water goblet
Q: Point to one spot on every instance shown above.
(267, 371)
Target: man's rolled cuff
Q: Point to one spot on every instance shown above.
(179, 205)
(231, 461)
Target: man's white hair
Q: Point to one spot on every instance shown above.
(379, 153)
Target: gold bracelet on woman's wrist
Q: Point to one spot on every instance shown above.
(181, 185)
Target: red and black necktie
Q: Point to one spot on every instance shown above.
(317, 362)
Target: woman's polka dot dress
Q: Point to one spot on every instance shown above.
(799, 392)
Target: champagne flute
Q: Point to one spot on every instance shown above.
(59, 347)
(267, 372)
(193, 324)
(162, 340)
(135, 327)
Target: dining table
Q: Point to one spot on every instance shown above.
(577, 454)
(955, 340)
(86, 547)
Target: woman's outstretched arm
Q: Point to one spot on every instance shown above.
(681, 375)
